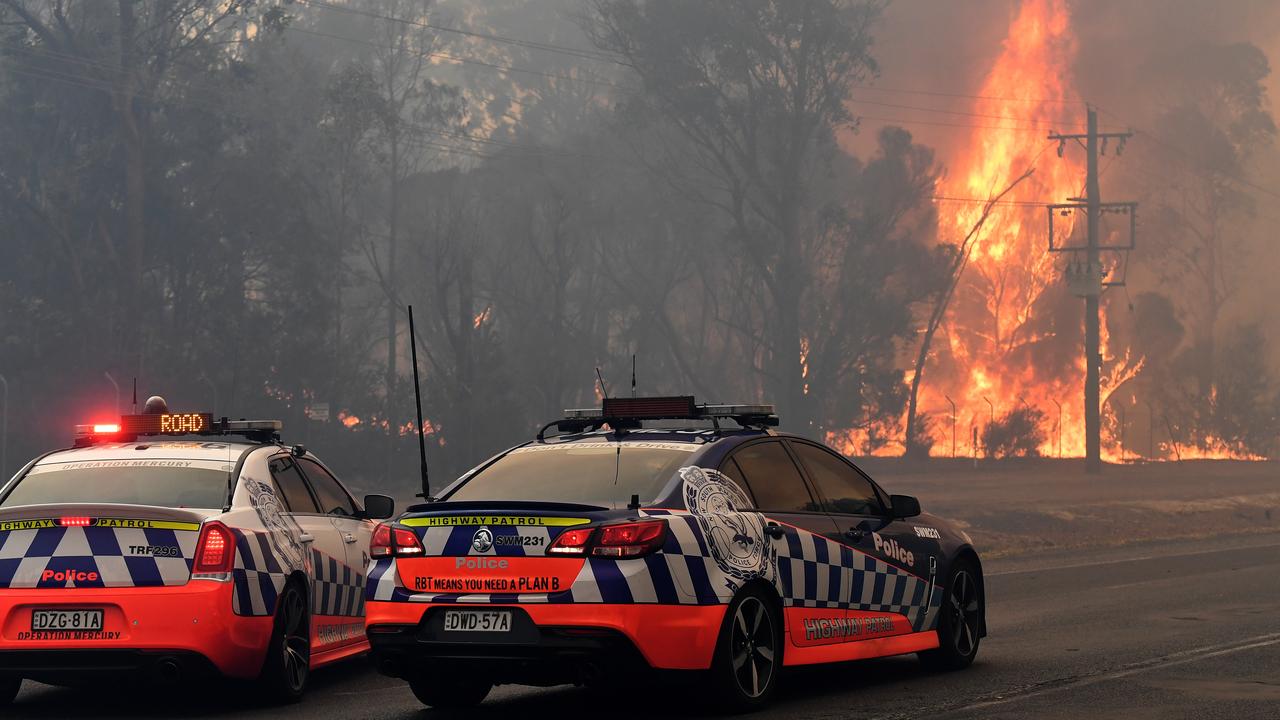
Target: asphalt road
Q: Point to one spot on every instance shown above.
(1187, 629)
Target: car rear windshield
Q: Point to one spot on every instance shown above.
(163, 483)
(598, 473)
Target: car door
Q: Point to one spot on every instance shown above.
(342, 576)
(900, 576)
(324, 546)
(810, 570)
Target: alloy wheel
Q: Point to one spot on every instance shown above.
(964, 613)
(752, 647)
(296, 643)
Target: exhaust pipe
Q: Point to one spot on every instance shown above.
(390, 666)
(167, 671)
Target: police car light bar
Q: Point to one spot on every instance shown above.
(241, 426)
(672, 408)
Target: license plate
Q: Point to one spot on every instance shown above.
(477, 620)
(55, 620)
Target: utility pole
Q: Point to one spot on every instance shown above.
(1086, 279)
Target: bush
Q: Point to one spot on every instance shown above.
(1020, 433)
(922, 444)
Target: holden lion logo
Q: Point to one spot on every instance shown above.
(482, 541)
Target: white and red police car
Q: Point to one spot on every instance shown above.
(172, 543)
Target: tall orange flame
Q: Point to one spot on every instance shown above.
(1011, 335)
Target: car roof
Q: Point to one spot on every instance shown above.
(169, 449)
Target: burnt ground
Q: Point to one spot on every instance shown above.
(1017, 506)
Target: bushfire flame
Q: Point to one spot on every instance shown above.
(1012, 334)
(984, 357)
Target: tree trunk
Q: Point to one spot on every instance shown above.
(134, 176)
(393, 226)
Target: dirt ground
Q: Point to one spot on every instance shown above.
(1016, 506)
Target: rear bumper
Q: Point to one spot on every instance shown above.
(556, 639)
(192, 625)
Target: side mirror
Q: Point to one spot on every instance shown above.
(904, 506)
(379, 507)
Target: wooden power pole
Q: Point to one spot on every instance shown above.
(1085, 273)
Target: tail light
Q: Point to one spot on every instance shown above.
(73, 521)
(216, 549)
(624, 540)
(628, 540)
(390, 541)
(571, 542)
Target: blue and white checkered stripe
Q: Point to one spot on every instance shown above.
(258, 575)
(336, 588)
(811, 571)
(25, 555)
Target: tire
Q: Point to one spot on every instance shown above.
(959, 621)
(748, 655)
(9, 687)
(449, 691)
(288, 664)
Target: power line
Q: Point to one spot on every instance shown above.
(1193, 163)
(936, 123)
(935, 93)
(980, 201)
(1047, 124)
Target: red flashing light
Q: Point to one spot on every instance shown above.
(74, 521)
(572, 542)
(106, 429)
(629, 540)
(388, 542)
(216, 550)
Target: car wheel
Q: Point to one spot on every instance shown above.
(959, 621)
(449, 690)
(9, 687)
(288, 663)
(749, 653)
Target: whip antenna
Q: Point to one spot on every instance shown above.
(417, 397)
(603, 390)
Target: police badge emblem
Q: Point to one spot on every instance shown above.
(734, 534)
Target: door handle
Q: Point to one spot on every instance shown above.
(774, 530)
(855, 534)
(306, 538)
(348, 537)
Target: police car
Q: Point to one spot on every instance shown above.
(616, 545)
(173, 543)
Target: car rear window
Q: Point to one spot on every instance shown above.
(597, 473)
(163, 483)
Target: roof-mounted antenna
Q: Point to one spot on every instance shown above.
(417, 397)
(633, 374)
(135, 396)
(604, 391)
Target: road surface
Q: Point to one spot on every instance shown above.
(1187, 629)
